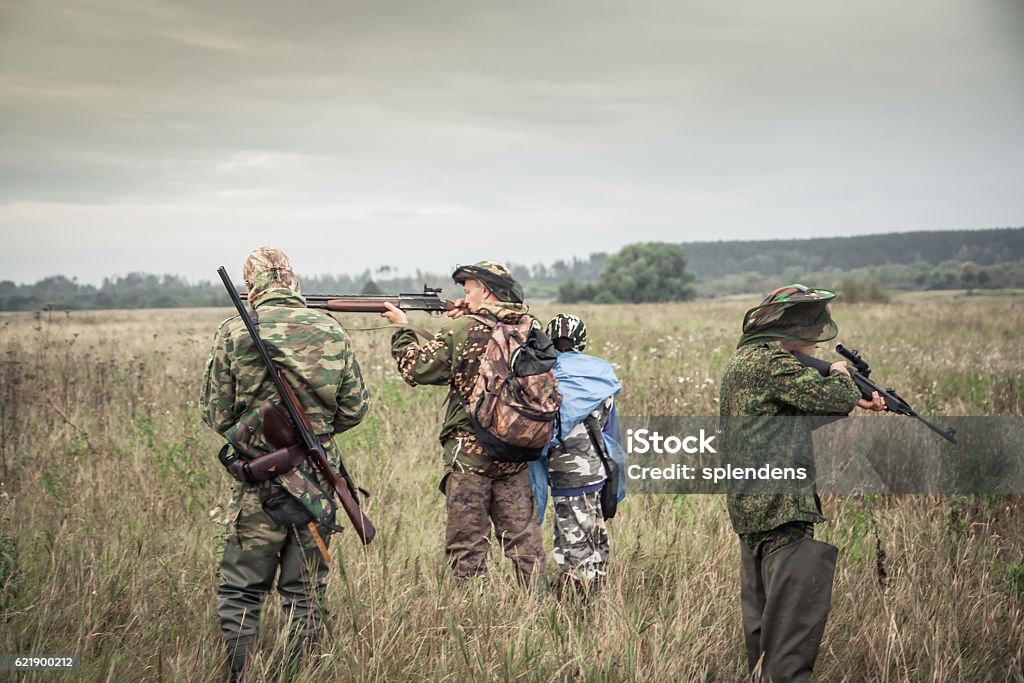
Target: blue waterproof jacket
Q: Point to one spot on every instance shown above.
(585, 382)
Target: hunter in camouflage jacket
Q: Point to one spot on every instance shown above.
(452, 358)
(479, 490)
(313, 353)
(764, 380)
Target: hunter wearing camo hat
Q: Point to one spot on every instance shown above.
(785, 575)
(267, 534)
(572, 468)
(479, 490)
(495, 277)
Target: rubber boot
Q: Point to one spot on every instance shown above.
(797, 584)
(239, 653)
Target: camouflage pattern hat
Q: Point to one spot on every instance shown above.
(571, 327)
(268, 268)
(792, 313)
(494, 276)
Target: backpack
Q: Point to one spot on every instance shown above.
(514, 401)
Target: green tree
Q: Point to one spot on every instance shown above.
(572, 292)
(648, 272)
(851, 291)
(969, 274)
(877, 293)
(371, 289)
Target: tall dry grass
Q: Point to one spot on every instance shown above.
(111, 517)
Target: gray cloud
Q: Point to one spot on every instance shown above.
(424, 134)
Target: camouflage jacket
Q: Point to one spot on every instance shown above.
(313, 353)
(452, 358)
(573, 462)
(764, 393)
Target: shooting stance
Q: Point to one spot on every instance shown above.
(785, 575)
(479, 488)
(281, 513)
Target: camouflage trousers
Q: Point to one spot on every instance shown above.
(473, 502)
(581, 539)
(256, 550)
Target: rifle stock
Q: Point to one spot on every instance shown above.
(342, 485)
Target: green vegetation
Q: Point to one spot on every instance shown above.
(964, 259)
(712, 260)
(853, 291)
(112, 515)
(640, 273)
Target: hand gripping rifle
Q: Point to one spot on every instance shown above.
(893, 402)
(429, 300)
(342, 485)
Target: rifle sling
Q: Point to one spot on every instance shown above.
(418, 330)
(598, 442)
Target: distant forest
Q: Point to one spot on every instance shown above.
(957, 259)
(960, 259)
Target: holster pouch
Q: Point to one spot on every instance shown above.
(281, 461)
(277, 426)
(265, 467)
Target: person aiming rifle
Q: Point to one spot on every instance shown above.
(280, 382)
(482, 486)
(785, 574)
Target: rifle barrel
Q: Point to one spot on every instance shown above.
(428, 300)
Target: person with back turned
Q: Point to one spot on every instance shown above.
(785, 575)
(575, 467)
(479, 488)
(268, 523)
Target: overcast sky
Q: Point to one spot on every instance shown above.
(172, 137)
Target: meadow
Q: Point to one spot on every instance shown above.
(112, 512)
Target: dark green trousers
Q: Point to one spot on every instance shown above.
(786, 593)
(256, 552)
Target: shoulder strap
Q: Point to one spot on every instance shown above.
(595, 438)
(482, 319)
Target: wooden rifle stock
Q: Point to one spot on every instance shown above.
(342, 485)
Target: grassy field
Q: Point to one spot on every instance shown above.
(111, 513)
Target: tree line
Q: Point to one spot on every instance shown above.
(866, 266)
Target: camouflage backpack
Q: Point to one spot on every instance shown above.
(514, 401)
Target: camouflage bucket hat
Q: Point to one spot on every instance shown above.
(495, 277)
(268, 268)
(568, 326)
(793, 313)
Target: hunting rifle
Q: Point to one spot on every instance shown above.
(859, 373)
(429, 300)
(342, 484)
